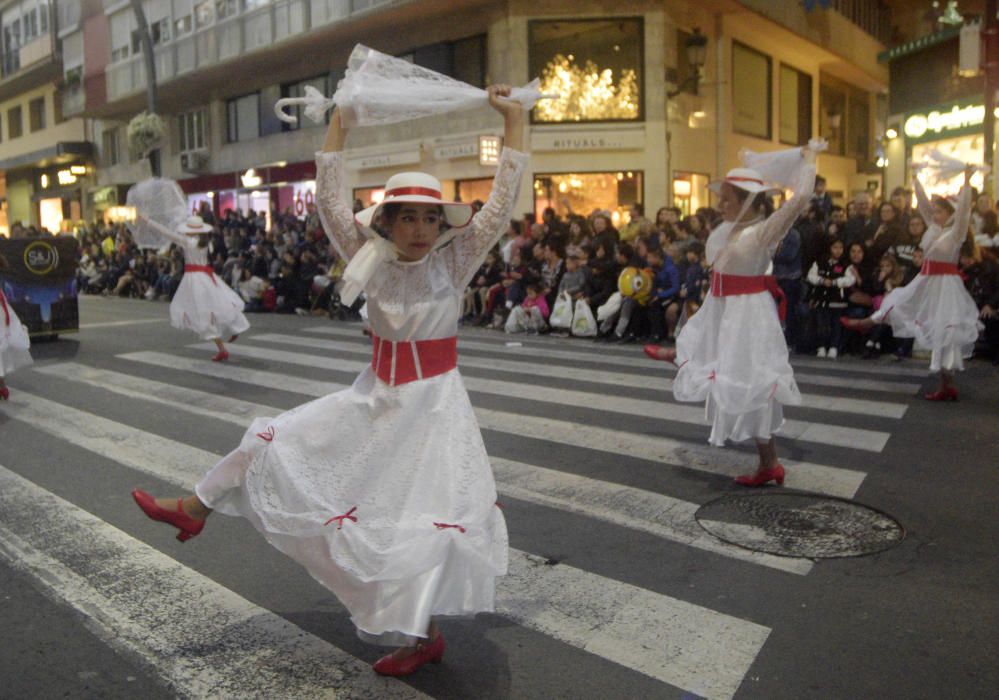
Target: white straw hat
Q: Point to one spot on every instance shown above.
(193, 225)
(417, 188)
(745, 179)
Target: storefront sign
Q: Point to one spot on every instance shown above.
(588, 140)
(460, 149)
(384, 160)
(944, 121)
(303, 194)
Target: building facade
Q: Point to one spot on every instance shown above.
(637, 122)
(46, 161)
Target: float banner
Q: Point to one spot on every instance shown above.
(40, 283)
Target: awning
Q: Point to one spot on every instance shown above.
(917, 45)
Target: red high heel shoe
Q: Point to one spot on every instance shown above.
(657, 352)
(221, 356)
(4, 393)
(948, 394)
(189, 527)
(762, 476)
(426, 652)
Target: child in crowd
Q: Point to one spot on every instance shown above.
(665, 288)
(830, 278)
(531, 315)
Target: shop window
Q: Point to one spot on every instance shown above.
(582, 193)
(109, 147)
(690, 191)
(463, 60)
(594, 65)
(795, 106)
(366, 196)
(858, 126)
(751, 80)
(269, 122)
(14, 126)
(191, 127)
(832, 115)
(36, 114)
(967, 149)
(204, 13)
(471, 190)
(243, 118)
(298, 90)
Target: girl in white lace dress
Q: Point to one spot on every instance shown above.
(203, 303)
(384, 491)
(732, 354)
(14, 342)
(935, 308)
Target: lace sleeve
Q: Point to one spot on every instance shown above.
(923, 205)
(469, 249)
(780, 222)
(962, 216)
(334, 212)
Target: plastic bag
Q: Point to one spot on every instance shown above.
(158, 200)
(562, 313)
(584, 325)
(609, 307)
(383, 89)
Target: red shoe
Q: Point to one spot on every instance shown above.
(4, 393)
(189, 527)
(426, 652)
(948, 394)
(762, 476)
(657, 352)
(221, 356)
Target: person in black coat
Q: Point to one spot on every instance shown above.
(860, 227)
(983, 285)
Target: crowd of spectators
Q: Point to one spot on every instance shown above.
(564, 275)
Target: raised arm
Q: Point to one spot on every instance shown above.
(962, 211)
(171, 235)
(922, 201)
(334, 211)
(470, 247)
(780, 222)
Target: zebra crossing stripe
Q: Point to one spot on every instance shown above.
(657, 514)
(805, 476)
(200, 639)
(617, 380)
(690, 647)
(820, 433)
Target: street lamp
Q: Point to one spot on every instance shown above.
(696, 49)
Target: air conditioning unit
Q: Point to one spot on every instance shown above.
(196, 162)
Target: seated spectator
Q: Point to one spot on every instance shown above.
(531, 315)
(982, 275)
(665, 290)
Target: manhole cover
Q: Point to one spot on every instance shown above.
(800, 525)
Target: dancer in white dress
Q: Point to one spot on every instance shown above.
(384, 491)
(14, 342)
(732, 354)
(203, 303)
(935, 308)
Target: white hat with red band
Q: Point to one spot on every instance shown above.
(745, 179)
(417, 188)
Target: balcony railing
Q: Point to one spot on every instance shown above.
(873, 16)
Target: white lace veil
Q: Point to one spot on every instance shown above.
(382, 89)
(158, 202)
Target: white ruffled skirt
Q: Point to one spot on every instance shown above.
(421, 533)
(14, 344)
(733, 357)
(939, 313)
(207, 306)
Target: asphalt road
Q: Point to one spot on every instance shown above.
(614, 591)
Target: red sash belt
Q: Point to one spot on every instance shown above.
(936, 267)
(6, 311)
(404, 361)
(733, 285)
(207, 269)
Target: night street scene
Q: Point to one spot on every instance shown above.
(495, 349)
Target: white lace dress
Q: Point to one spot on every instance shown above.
(422, 533)
(937, 310)
(732, 353)
(204, 303)
(14, 341)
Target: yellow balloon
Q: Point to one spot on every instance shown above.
(636, 283)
